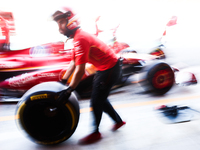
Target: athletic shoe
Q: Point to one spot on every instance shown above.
(118, 125)
(91, 138)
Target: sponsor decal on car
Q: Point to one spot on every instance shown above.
(19, 81)
(10, 64)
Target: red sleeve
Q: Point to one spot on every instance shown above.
(73, 56)
(81, 51)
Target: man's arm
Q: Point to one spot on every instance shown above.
(79, 72)
(65, 94)
(69, 71)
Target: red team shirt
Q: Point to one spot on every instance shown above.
(88, 48)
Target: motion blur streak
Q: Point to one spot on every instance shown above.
(7, 118)
(156, 102)
(161, 101)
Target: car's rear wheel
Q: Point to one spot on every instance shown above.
(159, 78)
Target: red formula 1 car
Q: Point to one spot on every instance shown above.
(22, 69)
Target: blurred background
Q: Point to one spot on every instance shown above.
(142, 23)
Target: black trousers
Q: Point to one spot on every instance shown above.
(102, 84)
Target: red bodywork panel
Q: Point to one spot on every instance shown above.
(47, 62)
(39, 57)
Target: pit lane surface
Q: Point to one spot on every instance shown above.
(145, 129)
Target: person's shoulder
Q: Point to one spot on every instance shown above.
(82, 32)
(81, 35)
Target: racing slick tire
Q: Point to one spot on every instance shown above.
(158, 78)
(42, 119)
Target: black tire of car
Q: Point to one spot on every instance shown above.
(84, 89)
(44, 121)
(159, 78)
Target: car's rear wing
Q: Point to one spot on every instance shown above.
(9, 19)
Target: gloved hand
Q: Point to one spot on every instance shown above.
(64, 81)
(64, 95)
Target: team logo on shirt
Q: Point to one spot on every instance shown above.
(78, 48)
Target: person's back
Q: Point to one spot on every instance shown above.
(90, 49)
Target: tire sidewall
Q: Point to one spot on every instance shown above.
(71, 108)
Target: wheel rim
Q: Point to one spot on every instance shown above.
(163, 78)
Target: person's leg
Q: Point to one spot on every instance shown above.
(98, 96)
(108, 108)
(103, 83)
(97, 112)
